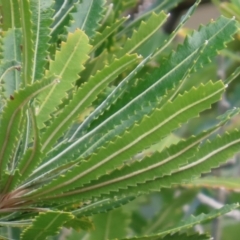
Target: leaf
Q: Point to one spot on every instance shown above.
(183, 20)
(143, 34)
(32, 156)
(62, 17)
(182, 236)
(110, 225)
(10, 14)
(78, 224)
(172, 71)
(108, 31)
(164, 5)
(230, 184)
(209, 155)
(28, 45)
(190, 222)
(87, 17)
(41, 20)
(101, 206)
(11, 117)
(45, 224)
(150, 130)
(67, 64)
(11, 60)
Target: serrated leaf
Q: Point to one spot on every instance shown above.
(110, 225)
(45, 224)
(143, 34)
(182, 236)
(11, 117)
(101, 37)
(11, 60)
(164, 5)
(66, 65)
(190, 222)
(78, 224)
(87, 17)
(62, 17)
(101, 206)
(41, 21)
(10, 14)
(183, 20)
(230, 184)
(28, 45)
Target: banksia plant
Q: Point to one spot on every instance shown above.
(84, 97)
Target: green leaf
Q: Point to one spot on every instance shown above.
(11, 117)
(41, 21)
(11, 60)
(10, 14)
(66, 65)
(164, 5)
(46, 224)
(183, 20)
(78, 224)
(231, 184)
(150, 130)
(189, 223)
(102, 36)
(32, 156)
(87, 17)
(183, 236)
(101, 206)
(28, 44)
(143, 34)
(110, 225)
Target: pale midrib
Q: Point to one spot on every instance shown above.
(81, 103)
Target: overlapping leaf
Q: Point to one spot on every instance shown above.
(11, 117)
(66, 65)
(87, 17)
(190, 222)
